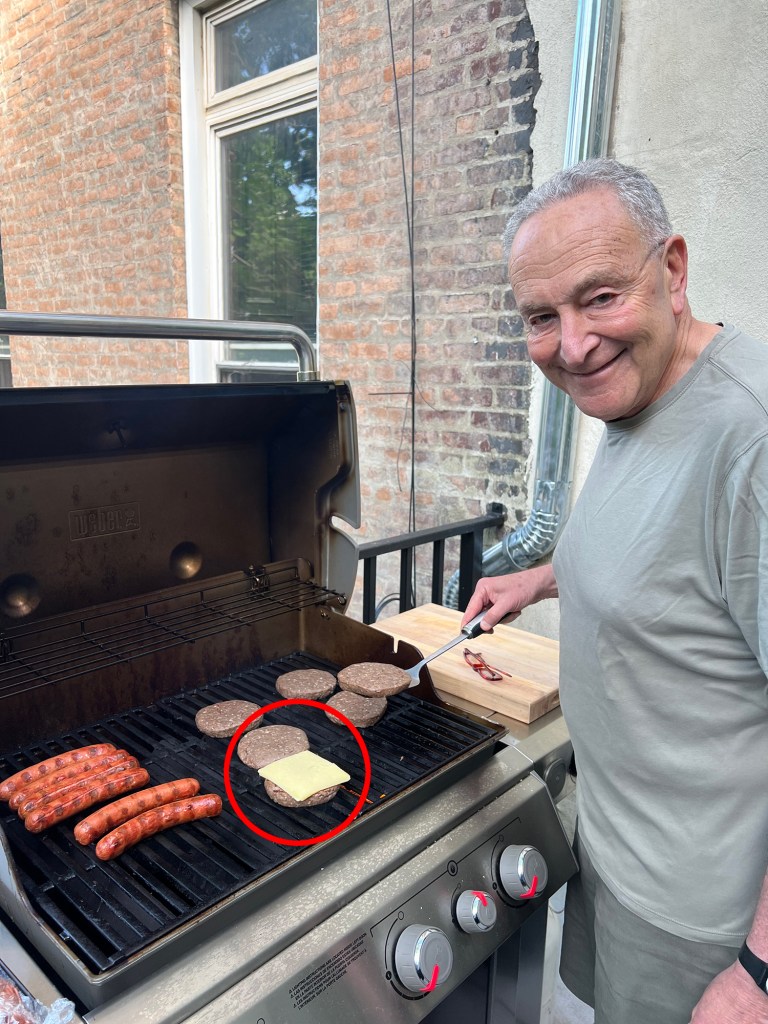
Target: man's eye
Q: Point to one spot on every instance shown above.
(540, 320)
(602, 299)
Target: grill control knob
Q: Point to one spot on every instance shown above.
(423, 957)
(475, 911)
(522, 872)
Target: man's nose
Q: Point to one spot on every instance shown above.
(577, 339)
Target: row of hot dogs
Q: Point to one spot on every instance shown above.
(60, 787)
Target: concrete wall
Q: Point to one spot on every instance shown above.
(689, 109)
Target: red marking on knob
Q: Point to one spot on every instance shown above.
(430, 987)
(532, 891)
(480, 895)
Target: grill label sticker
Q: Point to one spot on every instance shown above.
(327, 974)
(104, 520)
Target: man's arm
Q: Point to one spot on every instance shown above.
(506, 596)
(741, 538)
(733, 997)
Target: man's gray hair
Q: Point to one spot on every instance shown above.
(634, 190)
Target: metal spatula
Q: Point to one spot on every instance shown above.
(468, 632)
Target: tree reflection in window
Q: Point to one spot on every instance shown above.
(270, 36)
(270, 190)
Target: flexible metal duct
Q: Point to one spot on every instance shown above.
(592, 79)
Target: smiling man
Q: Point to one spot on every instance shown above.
(662, 576)
(604, 304)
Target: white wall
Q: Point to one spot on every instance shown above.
(690, 109)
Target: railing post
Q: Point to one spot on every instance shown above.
(369, 590)
(406, 579)
(438, 571)
(470, 565)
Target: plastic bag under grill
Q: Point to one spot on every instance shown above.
(18, 1008)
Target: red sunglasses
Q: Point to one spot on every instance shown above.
(478, 664)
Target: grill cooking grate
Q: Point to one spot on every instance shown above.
(106, 912)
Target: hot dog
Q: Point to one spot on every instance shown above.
(112, 815)
(75, 788)
(36, 771)
(72, 773)
(44, 818)
(157, 820)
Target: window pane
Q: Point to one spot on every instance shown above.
(270, 193)
(270, 36)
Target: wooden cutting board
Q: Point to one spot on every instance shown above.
(528, 692)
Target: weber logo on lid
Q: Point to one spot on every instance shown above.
(104, 520)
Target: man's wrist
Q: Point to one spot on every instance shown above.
(756, 968)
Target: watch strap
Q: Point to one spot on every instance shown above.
(755, 967)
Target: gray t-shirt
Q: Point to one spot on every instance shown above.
(662, 571)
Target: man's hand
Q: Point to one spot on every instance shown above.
(731, 998)
(506, 596)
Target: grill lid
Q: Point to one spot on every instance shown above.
(113, 492)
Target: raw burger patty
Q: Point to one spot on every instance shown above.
(361, 711)
(306, 684)
(224, 719)
(258, 749)
(374, 679)
(279, 796)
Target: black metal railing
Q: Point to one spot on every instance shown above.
(470, 534)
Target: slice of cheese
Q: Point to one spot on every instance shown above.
(302, 775)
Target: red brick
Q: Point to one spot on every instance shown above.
(403, 66)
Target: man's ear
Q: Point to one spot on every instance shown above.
(675, 261)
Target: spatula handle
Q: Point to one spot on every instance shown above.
(473, 628)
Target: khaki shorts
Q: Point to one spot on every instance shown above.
(627, 969)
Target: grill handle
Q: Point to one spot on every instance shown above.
(77, 325)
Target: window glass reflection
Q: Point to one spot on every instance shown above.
(267, 37)
(270, 193)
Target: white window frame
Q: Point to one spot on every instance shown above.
(207, 118)
(5, 361)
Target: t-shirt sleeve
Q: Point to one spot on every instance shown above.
(741, 546)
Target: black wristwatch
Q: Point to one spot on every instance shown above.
(755, 967)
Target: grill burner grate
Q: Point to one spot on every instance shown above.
(106, 912)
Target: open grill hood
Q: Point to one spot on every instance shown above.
(109, 493)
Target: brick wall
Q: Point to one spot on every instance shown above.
(476, 75)
(91, 192)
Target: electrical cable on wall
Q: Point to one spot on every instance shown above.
(408, 194)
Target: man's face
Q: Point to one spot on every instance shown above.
(599, 304)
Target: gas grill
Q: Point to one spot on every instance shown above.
(165, 548)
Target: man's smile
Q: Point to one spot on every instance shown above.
(595, 373)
